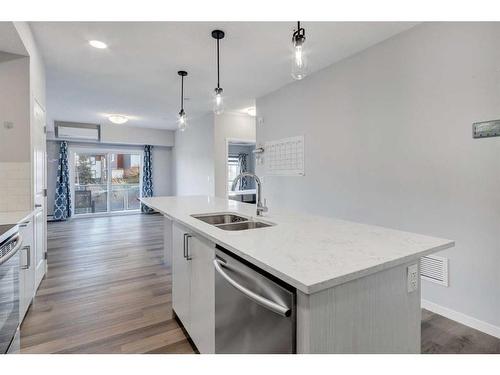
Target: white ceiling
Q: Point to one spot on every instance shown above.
(137, 75)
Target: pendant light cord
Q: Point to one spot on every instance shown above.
(182, 93)
(218, 68)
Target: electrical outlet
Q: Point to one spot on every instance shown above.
(412, 278)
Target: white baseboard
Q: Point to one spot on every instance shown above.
(467, 320)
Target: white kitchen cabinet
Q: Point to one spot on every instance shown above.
(202, 298)
(193, 289)
(27, 269)
(181, 275)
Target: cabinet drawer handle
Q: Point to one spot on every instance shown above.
(184, 249)
(28, 257)
(188, 236)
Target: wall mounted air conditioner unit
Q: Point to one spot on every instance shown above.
(77, 131)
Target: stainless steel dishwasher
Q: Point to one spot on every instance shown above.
(254, 312)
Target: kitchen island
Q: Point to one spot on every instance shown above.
(353, 288)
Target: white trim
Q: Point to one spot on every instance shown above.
(459, 317)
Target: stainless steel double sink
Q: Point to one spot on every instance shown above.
(230, 221)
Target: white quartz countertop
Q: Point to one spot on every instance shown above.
(15, 217)
(309, 252)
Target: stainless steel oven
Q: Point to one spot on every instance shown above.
(10, 243)
(254, 312)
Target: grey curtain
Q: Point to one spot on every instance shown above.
(147, 178)
(242, 159)
(62, 201)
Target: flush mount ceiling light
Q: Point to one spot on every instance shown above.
(118, 119)
(218, 99)
(182, 120)
(98, 44)
(299, 63)
(251, 111)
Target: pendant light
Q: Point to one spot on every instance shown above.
(299, 63)
(182, 120)
(218, 99)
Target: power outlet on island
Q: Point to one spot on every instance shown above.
(412, 278)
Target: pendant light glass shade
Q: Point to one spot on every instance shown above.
(299, 59)
(218, 100)
(182, 119)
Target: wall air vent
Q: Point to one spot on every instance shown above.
(434, 269)
(77, 131)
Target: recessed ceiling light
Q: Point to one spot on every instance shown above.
(251, 111)
(98, 44)
(118, 119)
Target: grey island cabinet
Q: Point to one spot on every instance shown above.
(355, 286)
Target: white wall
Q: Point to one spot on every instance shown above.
(129, 135)
(15, 108)
(37, 66)
(229, 126)
(136, 136)
(163, 173)
(22, 83)
(388, 141)
(194, 158)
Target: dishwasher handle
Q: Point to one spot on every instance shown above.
(267, 303)
(10, 253)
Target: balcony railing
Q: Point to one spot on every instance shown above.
(93, 198)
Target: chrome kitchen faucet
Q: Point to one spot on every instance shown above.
(261, 208)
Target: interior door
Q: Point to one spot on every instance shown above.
(202, 296)
(181, 274)
(40, 197)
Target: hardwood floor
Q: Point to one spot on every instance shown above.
(445, 336)
(107, 291)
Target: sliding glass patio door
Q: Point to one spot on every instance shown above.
(125, 181)
(106, 182)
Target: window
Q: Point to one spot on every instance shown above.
(233, 170)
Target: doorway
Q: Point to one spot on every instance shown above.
(240, 158)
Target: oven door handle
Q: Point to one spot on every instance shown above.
(13, 252)
(263, 301)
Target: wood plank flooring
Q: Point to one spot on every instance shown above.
(107, 291)
(445, 336)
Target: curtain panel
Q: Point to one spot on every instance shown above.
(242, 159)
(62, 202)
(147, 178)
